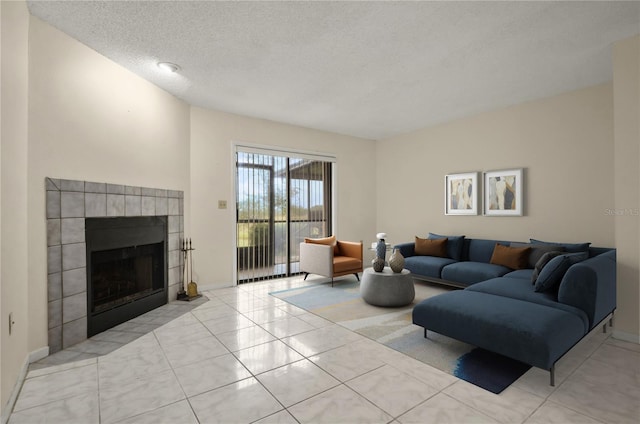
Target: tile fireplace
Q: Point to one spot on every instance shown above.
(113, 252)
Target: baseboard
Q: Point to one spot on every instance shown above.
(626, 337)
(36, 355)
(205, 287)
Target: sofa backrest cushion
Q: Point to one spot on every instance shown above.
(454, 245)
(544, 260)
(552, 273)
(480, 250)
(569, 247)
(511, 257)
(431, 247)
(537, 251)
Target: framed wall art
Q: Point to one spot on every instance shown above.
(461, 194)
(503, 192)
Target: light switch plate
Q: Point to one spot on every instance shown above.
(222, 204)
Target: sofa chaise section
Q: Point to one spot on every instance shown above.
(529, 332)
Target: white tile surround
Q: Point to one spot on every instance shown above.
(69, 202)
(208, 365)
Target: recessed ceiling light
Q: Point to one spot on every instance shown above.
(168, 67)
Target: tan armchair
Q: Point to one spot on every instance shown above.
(330, 258)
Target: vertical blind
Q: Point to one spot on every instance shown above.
(280, 199)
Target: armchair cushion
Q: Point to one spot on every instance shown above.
(346, 264)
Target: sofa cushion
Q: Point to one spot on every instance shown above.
(529, 332)
(429, 266)
(522, 274)
(552, 273)
(330, 241)
(569, 247)
(537, 250)
(523, 290)
(511, 257)
(541, 263)
(454, 245)
(431, 247)
(466, 273)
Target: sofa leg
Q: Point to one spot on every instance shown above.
(331, 281)
(425, 334)
(357, 277)
(552, 374)
(611, 319)
(306, 274)
(604, 327)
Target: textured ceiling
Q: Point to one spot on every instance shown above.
(369, 69)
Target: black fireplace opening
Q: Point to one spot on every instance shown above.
(126, 269)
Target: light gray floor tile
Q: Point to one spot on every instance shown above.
(175, 413)
(321, 340)
(242, 402)
(245, 338)
(210, 374)
(195, 351)
(552, 413)
(287, 327)
(392, 390)
(267, 356)
(296, 382)
(138, 396)
(80, 409)
(442, 409)
(338, 405)
(57, 386)
(513, 405)
(342, 364)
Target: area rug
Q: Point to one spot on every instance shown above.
(393, 327)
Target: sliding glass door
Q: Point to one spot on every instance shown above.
(280, 200)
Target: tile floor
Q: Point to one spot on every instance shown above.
(245, 357)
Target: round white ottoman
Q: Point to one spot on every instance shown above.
(387, 288)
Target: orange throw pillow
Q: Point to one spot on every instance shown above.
(329, 241)
(511, 257)
(431, 247)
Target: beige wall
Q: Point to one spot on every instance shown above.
(626, 90)
(90, 119)
(564, 143)
(13, 228)
(212, 171)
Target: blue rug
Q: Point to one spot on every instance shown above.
(491, 371)
(393, 327)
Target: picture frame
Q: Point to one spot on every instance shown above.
(461, 194)
(503, 192)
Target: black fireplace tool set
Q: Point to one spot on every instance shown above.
(187, 273)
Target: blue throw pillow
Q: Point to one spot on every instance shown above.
(541, 263)
(570, 247)
(454, 245)
(552, 273)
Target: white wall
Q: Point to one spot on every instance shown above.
(90, 119)
(564, 143)
(14, 290)
(212, 171)
(626, 83)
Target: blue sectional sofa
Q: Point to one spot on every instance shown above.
(509, 311)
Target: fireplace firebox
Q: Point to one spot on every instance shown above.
(126, 269)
